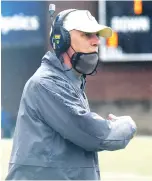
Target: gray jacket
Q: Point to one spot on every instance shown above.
(57, 137)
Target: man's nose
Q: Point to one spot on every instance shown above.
(95, 40)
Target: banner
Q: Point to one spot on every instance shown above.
(23, 23)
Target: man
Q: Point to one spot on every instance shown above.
(57, 137)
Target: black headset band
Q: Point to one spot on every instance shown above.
(61, 19)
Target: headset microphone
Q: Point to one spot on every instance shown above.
(51, 10)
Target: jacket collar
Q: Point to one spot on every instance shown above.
(53, 61)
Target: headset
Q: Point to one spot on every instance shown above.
(60, 39)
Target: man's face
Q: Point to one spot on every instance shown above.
(84, 42)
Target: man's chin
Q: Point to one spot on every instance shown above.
(96, 51)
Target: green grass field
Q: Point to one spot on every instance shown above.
(131, 164)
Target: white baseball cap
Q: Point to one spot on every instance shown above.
(82, 20)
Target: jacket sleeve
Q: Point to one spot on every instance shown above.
(63, 111)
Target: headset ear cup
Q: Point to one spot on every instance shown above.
(63, 41)
(68, 40)
(65, 35)
(60, 39)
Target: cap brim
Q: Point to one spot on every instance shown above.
(103, 31)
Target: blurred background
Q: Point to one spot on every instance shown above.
(122, 85)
